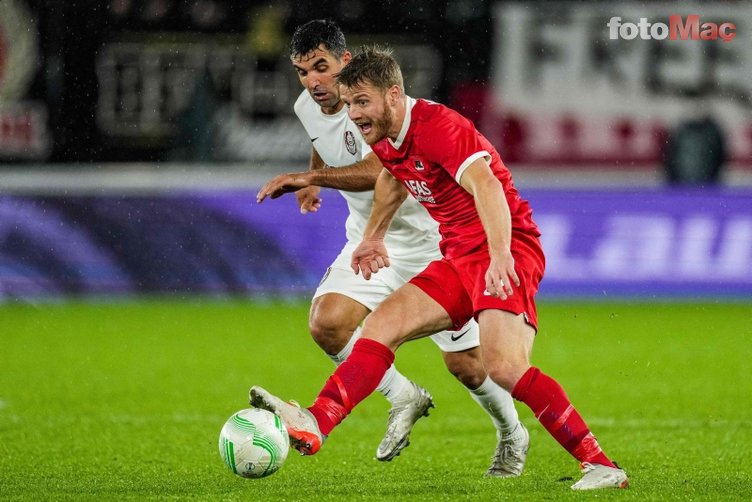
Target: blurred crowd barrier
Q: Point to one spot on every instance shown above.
(602, 243)
(211, 80)
(604, 121)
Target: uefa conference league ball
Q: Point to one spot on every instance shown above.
(253, 443)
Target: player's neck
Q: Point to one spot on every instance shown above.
(331, 110)
(398, 119)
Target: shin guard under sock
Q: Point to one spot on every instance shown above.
(556, 413)
(356, 378)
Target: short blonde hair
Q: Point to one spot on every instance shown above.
(374, 65)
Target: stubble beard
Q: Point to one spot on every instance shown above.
(382, 125)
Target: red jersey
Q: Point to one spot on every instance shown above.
(434, 147)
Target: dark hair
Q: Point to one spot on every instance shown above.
(373, 65)
(307, 37)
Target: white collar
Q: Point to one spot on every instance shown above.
(409, 103)
(329, 116)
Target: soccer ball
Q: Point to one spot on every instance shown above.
(253, 443)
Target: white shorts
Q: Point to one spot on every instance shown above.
(339, 278)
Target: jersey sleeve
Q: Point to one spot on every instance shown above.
(454, 143)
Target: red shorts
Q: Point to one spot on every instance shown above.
(459, 285)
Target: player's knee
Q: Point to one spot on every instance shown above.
(383, 329)
(506, 373)
(472, 378)
(329, 334)
(465, 368)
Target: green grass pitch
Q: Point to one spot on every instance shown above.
(125, 401)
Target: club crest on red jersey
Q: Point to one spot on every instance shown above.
(350, 142)
(419, 165)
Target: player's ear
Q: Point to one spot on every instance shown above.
(342, 89)
(394, 93)
(346, 57)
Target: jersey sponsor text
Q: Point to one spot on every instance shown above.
(420, 190)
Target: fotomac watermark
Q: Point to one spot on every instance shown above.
(676, 29)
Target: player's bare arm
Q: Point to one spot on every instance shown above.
(371, 254)
(308, 197)
(296, 182)
(494, 213)
(358, 177)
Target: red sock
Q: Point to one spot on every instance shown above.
(555, 412)
(354, 380)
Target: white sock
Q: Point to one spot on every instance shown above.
(392, 383)
(346, 350)
(499, 405)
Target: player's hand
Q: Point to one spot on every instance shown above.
(308, 199)
(282, 184)
(369, 257)
(501, 275)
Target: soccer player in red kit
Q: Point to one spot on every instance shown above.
(491, 267)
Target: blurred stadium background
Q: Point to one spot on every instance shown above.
(134, 133)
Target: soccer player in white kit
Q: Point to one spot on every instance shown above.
(340, 159)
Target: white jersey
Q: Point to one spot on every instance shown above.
(412, 239)
(338, 142)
